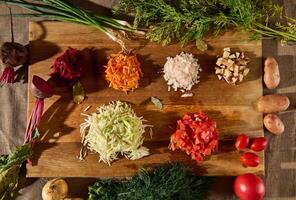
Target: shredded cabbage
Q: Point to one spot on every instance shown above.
(114, 129)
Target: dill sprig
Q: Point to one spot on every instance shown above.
(167, 182)
(190, 20)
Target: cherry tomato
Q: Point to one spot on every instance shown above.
(259, 144)
(241, 142)
(249, 159)
(249, 187)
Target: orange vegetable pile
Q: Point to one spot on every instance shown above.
(123, 72)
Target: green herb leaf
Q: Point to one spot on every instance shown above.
(201, 45)
(167, 182)
(36, 133)
(9, 170)
(191, 20)
(21, 154)
(157, 103)
(78, 93)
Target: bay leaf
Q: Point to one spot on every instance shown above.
(157, 103)
(78, 93)
(201, 45)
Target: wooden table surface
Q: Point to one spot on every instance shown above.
(229, 105)
(280, 156)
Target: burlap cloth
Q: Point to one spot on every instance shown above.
(280, 155)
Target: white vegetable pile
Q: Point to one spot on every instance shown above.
(182, 72)
(114, 129)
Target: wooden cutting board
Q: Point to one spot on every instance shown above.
(230, 106)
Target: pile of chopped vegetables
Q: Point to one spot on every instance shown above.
(123, 71)
(71, 65)
(114, 129)
(232, 66)
(197, 135)
(182, 72)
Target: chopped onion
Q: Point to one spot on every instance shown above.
(182, 72)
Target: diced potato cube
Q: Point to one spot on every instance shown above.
(242, 67)
(232, 56)
(227, 73)
(226, 54)
(246, 71)
(234, 79)
(230, 62)
(231, 68)
(240, 77)
(219, 61)
(236, 69)
(226, 49)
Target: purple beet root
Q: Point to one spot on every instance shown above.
(41, 89)
(13, 54)
(7, 75)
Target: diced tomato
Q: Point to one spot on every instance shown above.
(196, 135)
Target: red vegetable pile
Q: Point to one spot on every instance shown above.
(197, 135)
(69, 66)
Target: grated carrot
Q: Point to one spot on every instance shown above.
(123, 72)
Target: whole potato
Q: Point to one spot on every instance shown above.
(272, 103)
(274, 124)
(55, 189)
(271, 73)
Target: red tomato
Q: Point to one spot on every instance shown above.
(249, 187)
(259, 144)
(241, 142)
(249, 159)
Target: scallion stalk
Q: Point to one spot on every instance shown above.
(62, 10)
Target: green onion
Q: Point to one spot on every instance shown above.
(62, 10)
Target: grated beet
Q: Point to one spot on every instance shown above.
(70, 65)
(197, 135)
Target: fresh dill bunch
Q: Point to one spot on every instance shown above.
(167, 182)
(184, 21)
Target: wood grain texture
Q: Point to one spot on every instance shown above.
(230, 106)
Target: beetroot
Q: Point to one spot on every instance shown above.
(7, 75)
(41, 89)
(12, 54)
